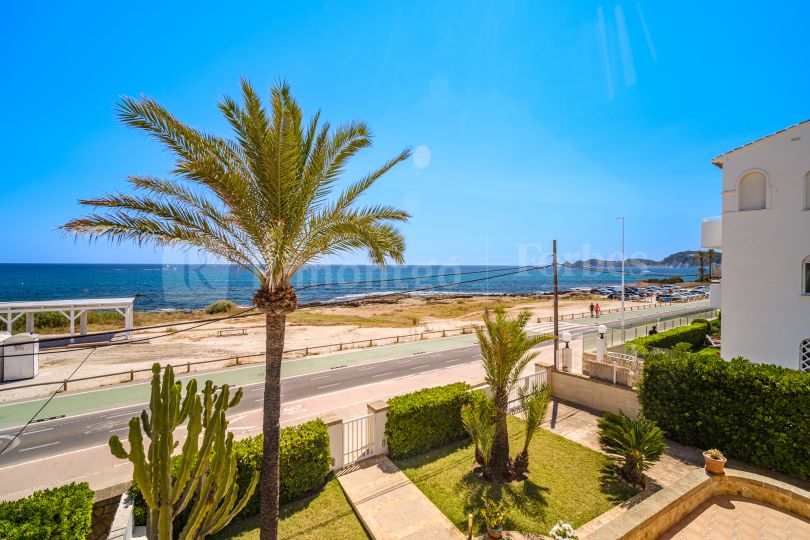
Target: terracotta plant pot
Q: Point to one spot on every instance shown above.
(494, 533)
(714, 466)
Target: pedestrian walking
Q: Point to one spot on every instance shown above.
(591, 308)
(597, 309)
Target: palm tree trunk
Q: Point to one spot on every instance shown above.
(269, 484)
(499, 465)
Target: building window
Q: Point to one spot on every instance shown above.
(806, 276)
(807, 191)
(804, 356)
(752, 191)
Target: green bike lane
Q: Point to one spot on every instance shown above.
(128, 394)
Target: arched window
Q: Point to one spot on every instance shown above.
(806, 276)
(752, 191)
(807, 191)
(804, 356)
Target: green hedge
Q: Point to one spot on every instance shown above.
(694, 334)
(64, 513)
(304, 466)
(753, 412)
(304, 462)
(425, 419)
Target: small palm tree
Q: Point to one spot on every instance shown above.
(534, 403)
(265, 201)
(637, 443)
(700, 258)
(710, 258)
(479, 421)
(505, 351)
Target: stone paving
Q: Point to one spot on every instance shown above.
(734, 518)
(390, 506)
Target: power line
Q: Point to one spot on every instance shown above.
(409, 278)
(16, 435)
(241, 314)
(615, 272)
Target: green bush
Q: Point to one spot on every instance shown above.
(665, 281)
(63, 513)
(221, 306)
(43, 320)
(304, 466)
(426, 419)
(304, 462)
(694, 334)
(756, 413)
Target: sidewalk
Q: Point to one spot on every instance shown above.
(390, 506)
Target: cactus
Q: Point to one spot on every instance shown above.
(204, 477)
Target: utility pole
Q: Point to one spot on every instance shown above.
(623, 333)
(556, 304)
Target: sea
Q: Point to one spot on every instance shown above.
(188, 286)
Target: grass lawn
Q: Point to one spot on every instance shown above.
(709, 351)
(567, 482)
(324, 516)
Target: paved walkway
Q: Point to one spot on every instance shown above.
(580, 426)
(390, 506)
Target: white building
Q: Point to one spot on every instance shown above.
(764, 234)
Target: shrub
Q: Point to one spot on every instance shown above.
(694, 335)
(756, 413)
(426, 419)
(63, 513)
(221, 306)
(637, 443)
(305, 463)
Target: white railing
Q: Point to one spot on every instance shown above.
(358, 438)
(535, 380)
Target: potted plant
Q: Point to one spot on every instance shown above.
(563, 531)
(715, 461)
(494, 514)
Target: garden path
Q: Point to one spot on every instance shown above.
(390, 506)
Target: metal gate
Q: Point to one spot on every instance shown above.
(526, 382)
(358, 439)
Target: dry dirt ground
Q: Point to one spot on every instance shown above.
(310, 327)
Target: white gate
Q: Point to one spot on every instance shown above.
(358, 439)
(527, 382)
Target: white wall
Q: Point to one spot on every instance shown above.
(765, 315)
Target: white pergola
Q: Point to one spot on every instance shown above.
(71, 309)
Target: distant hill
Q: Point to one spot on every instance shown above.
(681, 259)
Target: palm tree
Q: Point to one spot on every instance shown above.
(478, 419)
(534, 402)
(636, 442)
(263, 200)
(700, 258)
(505, 347)
(710, 257)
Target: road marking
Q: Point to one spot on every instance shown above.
(316, 378)
(366, 368)
(329, 385)
(37, 431)
(119, 429)
(451, 360)
(420, 366)
(119, 414)
(40, 446)
(382, 374)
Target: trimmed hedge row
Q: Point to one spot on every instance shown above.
(304, 466)
(426, 419)
(64, 513)
(753, 412)
(694, 334)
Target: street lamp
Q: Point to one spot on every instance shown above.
(602, 329)
(566, 337)
(622, 220)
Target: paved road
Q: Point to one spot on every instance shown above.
(80, 428)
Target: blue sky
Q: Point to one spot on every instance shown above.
(541, 120)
